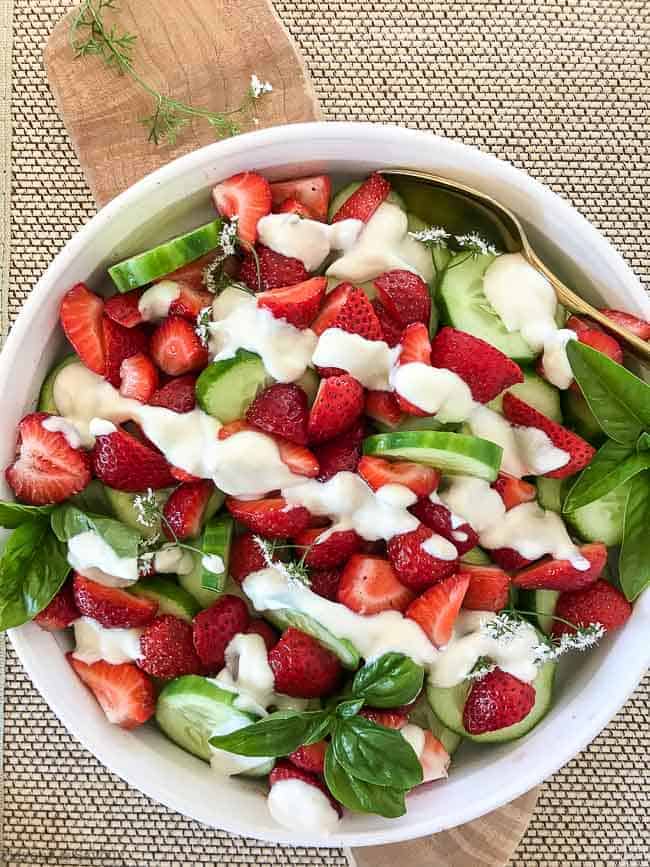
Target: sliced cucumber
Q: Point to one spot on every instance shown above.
(165, 258)
(448, 704)
(450, 452)
(123, 505)
(215, 542)
(46, 396)
(171, 598)
(550, 494)
(225, 389)
(543, 602)
(602, 520)
(345, 192)
(193, 583)
(580, 417)
(309, 383)
(283, 618)
(464, 305)
(536, 392)
(421, 714)
(476, 557)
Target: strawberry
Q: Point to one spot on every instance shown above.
(272, 517)
(167, 648)
(182, 476)
(514, 491)
(338, 404)
(260, 627)
(592, 335)
(420, 479)
(245, 557)
(340, 453)
(519, 413)
(637, 326)
(121, 343)
(310, 758)
(349, 309)
(138, 377)
(325, 582)
(302, 667)
(110, 606)
(300, 460)
(123, 308)
(176, 348)
(383, 407)
(246, 196)
(286, 770)
(46, 469)
(437, 517)
(60, 612)
(485, 369)
(601, 602)
(298, 304)
(551, 574)
(391, 328)
(192, 273)
(281, 410)
(369, 585)
(437, 609)
(190, 302)
(216, 626)
(334, 550)
(178, 394)
(81, 319)
(293, 206)
(509, 559)
(314, 193)
(488, 588)
(497, 701)
(415, 567)
(390, 719)
(185, 509)
(275, 270)
(125, 693)
(416, 345)
(405, 297)
(123, 462)
(434, 758)
(363, 203)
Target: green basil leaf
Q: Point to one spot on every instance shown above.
(619, 399)
(93, 499)
(643, 442)
(276, 735)
(347, 709)
(612, 465)
(32, 569)
(12, 515)
(68, 521)
(389, 681)
(360, 796)
(375, 754)
(634, 562)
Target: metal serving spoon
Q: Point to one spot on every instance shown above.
(449, 203)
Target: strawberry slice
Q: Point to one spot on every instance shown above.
(509, 559)
(369, 585)
(434, 758)
(601, 602)
(46, 469)
(121, 461)
(184, 511)
(286, 770)
(81, 319)
(382, 406)
(349, 309)
(302, 667)
(485, 369)
(178, 394)
(340, 453)
(299, 459)
(336, 548)
(272, 517)
(310, 758)
(420, 479)
(246, 196)
(275, 270)
(437, 517)
(390, 719)
(637, 326)
(121, 343)
(592, 335)
(520, 413)
(416, 346)
(191, 274)
(551, 574)
(110, 606)
(138, 377)
(190, 302)
(125, 693)
(176, 348)
(488, 588)
(363, 203)
(405, 296)
(60, 612)
(437, 609)
(281, 410)
(245, 557)
(313, 193)
(181, 476)
(167, 648)
(325, 582)
(391, 328)
(123, 308)
(414, 565)
(293, 206)
(215, 627)
(298, 304)
(267, 633)
(514, 491)
(338, 405)
(497, 701)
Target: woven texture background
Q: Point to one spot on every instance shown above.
(558, 87)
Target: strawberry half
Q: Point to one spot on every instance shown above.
(313, 193)
(185, 509)
(272, 517)
(338, 405)
(369, 585)
(178, 394)
(514, 491)
(415, 567)
(302, 667)
(110, 606)
(560, 575)
(246, 196)
(190, 302)
(509, 559)
(488, 588)
(138, 378)
(286, 770)
(267, 633)
(363, 203)
(592, 335)
(298, 304)
(416, 345)
(60, 612)
(390, 719)
(121, 461)
(599, 603)
(497, 701)
(391, 329)
(81, 319)
(119, 344)
(281, 410)
(215, 627)
(349, 309)
(176, 348)
(437, 609)
(325, 582)
(275, 270)
(123, 308)
(245, 557)
(383, 407)
(340, 453)
(437, 517)
(520, 413)
(293, 206)
(405, 296)
(310, 758)
(637, 326)
(46, 469)
(334, 550)
(125, 693)
(434, 758)
(167, 648)
(420, 479)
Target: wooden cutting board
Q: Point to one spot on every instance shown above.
(204, 52)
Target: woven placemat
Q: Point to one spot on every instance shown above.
(558, 88)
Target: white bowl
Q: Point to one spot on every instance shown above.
(591, 689)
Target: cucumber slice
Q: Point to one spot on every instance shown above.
(421, 714)
(602, 520)
(450, 452)
(550, 494)
(536, 392)
(345, 192)
(46, 396)
(123, 505)
(171, 598)
(215, 541)
(580, 418)
(341, 647)
(309, 383)
(476, 557)
(448, 705)
(193, 583)
(225, 389)
(543, 602)
(165, 258)
(464, 305)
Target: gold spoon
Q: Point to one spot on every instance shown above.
(482, 212)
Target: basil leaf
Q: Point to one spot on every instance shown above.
(12, 515)
(68, 521)
(278, 734)
(360, 796)
(32, 569)
(93, 499)
(619, 399)
(349, 708)
(375, 754)
(643, 442)
(634, 562)
(389, 681)
(612, 465)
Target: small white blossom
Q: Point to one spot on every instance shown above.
(203, 321)
(435, 236)
(259, 88)
(475, 244)
(291, 571)
(482, 668)
(583, 638)
(228, 237)
(504, 627)
(147, 508)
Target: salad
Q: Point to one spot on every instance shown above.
(323, 491)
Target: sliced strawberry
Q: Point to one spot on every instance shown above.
(275, 270)
(123, 308)
(334, 550)
(592, 335)
(497, 701)
(313, 193)
(125, 693)
(245, 557)
(298, 304)
(334, 303)
(138, 378)
(215, 627)
(190, 302)
(181, 476)
(437, 609)
(246, 196)
(281, 410)
(60, 612)
(272, 518)
(123, 462)
(302, 667)
(637, 326)
(601, 602)
(192, 273)
(121, 343)
(349, 309)
(363, 203)
(178, 394)
(184, 511)
(405, 297)
(520, 413)
(560, 575)
(176, 348)
(325, 582)
(416, 346)
(415, 567)
(369, 585)
(420, 479)
(81, 319)
(267, 633)
(338, 405)
(391, 329)
(110, 606)
(434, 758)
(234, 427)
(293, 206)
(383, 407)
(514, 491)
(509, 559)
(286, 770)
(299, 459)
(46, 469)
(488, 588)
(390, 719)
(437, 517)
(340, 453)
(310, 758)
(167, 648)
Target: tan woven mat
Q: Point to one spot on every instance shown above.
(559, 87)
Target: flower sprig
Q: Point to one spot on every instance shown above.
(292, 571)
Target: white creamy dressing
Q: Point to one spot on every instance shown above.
(93, 557)
(227, 764)
(173, 559)
(308, 240)
(414, 736)
(438, 546)
(155, 302)
(213, 563)
(435, 390)
(368, 361)
(295, 804)
(57, 424)
(94, 642)
(100, 427)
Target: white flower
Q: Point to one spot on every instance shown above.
(147, 508)
(436, 236)
(228, 237)
(259, 88)
(475, 244)
(291, 571)
(583, 638)
(203, 321)
(504, 627)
